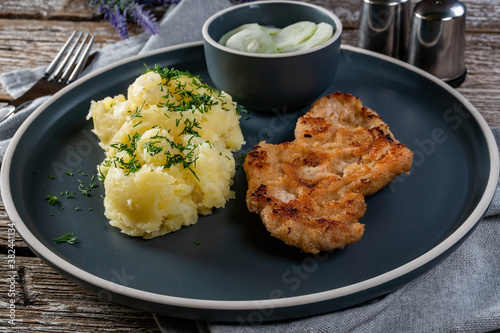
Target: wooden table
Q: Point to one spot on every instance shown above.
(31, 33)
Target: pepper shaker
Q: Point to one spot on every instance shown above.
(384, 26)
(437, 39)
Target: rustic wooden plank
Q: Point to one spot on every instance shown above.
(482, 15)
(64, 10)
(487, 102)
(45, 301)
(48, 9)
(7, 237)
(347, 11)
(482, 51)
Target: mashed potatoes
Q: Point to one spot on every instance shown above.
(168, 151)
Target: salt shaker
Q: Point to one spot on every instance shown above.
(437, 39)
(384, 26)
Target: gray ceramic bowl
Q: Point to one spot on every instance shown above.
(271, 81)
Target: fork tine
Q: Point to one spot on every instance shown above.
(62, 64)
(59, 55)
(83, 58)
(71, 65)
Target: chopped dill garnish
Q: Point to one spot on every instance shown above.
(51, 199)
(241, 109)
(67, 238)
(151, 147)
(85, 190)
(130, 166)
(185, 156)
(190, 126)
(136, 113)
(165, 72)
(191, 100)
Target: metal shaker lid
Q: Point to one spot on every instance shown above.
(437, 39)
(384, 26)
(443, 10)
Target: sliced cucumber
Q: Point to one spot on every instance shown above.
(270, 29)
(253, 41)
(294, 34)
(323, 33)
(223, 39)
(255, 38)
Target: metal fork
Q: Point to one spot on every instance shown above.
(64, 69)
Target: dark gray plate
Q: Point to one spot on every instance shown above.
(227, 267)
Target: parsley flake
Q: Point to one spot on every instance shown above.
(67, 238)
(51, 199)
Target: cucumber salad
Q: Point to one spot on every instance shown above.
(255, 38)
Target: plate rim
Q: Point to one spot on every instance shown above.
(470, 222)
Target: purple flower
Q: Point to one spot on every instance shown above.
(119, 12)
(145, 19)
(118, 20)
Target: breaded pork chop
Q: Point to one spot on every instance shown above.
(310, 192)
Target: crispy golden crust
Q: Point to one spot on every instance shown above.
(310, 192)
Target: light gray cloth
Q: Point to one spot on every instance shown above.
(461, 294)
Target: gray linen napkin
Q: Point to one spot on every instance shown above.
(462, 294)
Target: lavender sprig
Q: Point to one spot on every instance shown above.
(120, 12)
(145, 19)
(118, 20)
